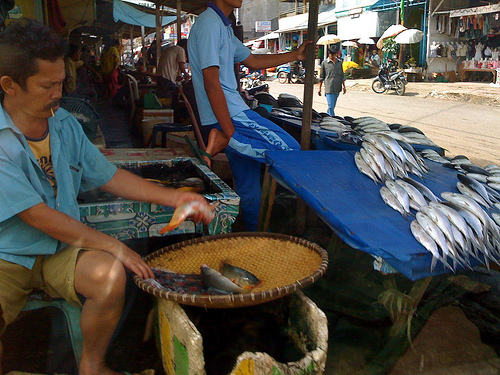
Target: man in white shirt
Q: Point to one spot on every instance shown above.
(172, 63)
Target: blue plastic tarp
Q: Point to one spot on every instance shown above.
(350, 203)
(132, 16)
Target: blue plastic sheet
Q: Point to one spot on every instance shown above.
(350, 203)
(132, 16)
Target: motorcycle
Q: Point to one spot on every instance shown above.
(297, 74)
(389, 80)
(251, 80)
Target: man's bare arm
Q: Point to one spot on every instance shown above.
(70, 231)
(257, 62)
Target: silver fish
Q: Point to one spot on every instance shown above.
(424, 190)
(364, 168)
(426, 241)
(440, 220)
(494, 179)
(494, 185)
(415, 196)
(400, 194)
(435, 233)
(496, 217)
(371, 163)
(468, 192)
(390, 200)
(478, 176)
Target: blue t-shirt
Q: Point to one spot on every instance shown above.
(213, 43)
(78, 166)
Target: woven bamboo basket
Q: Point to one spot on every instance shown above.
(283, 263)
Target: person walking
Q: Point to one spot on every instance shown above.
(333, 76)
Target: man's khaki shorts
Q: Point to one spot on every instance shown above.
(54, 274)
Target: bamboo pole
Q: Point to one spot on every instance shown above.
(179, 21)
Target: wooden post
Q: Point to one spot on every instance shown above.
(132, 45)
(305, 138)
(305, 135)
(179, 21)
(159, 37)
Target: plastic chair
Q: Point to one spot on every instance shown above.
(133, 93)
(187, 95)
(72, 319)
(164, 128)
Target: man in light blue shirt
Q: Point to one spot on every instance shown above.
(213, 50)
(45, 161)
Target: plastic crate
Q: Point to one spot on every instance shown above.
(84, 112)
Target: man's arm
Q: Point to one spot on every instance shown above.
(258, 62)
(130, 186)
(182, 69)
(68, 230)
(217, 100)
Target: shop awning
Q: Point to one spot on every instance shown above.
(293, 23)
(383, 5)
(132, 16)
(272, 35)
(299, 22)
(493, 8)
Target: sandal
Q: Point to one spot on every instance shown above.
(198, 152)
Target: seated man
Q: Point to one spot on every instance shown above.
(45, 161)
(213, 50)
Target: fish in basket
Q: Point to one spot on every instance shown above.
(234, 270)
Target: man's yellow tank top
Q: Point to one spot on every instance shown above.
(41, 150)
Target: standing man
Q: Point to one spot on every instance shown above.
(45, 161)
(110, 67)
(172, 64)
(333, 76)
(213, 50)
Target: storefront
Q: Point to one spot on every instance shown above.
(464, 43)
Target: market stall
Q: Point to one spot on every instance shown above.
(464, 42)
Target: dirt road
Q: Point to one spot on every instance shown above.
(449, 114)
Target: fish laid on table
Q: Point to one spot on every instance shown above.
(434, 156)
(363, 167)
(186, 210)
(389, 158)
(424, 190)
(417, 200)
(390, 199)
(428, 242)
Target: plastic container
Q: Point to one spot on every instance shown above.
(182, 344)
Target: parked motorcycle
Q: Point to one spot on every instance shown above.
(389, 80)
(253, 79)
(292, 74)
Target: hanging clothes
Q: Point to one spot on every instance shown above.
(56, 19)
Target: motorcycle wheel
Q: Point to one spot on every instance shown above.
(400, 87)
(294, 78)
(378, 87)
(282, 76)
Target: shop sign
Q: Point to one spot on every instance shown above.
(477, 10)
(262, 26)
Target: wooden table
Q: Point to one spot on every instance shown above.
(470, 73)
